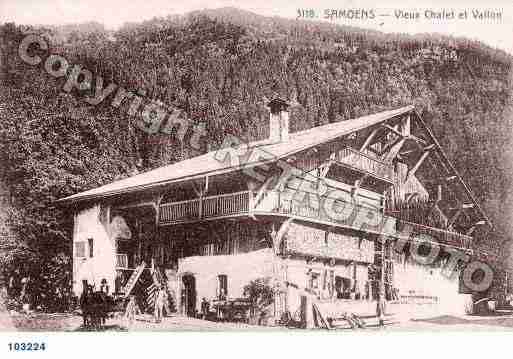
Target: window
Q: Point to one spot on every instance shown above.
(80, 249)
(91, 249)
(342, 287)
(222, 285)
(314, 280)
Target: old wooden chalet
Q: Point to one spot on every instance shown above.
(213, 223)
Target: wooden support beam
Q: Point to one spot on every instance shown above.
(389, 145)
(417, 140)
(325, 167)
(134, 205)
(158, 200)
(409, 152)
(455, 217)
(378, 138)
(464, 206)
(261, 192)
(407, 126)
(412, 171)
(278, 236)
(196, 188)
(394, 150)
(369, 139)
(393, 130)
(470, 230)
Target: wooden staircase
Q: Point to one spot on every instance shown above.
(151, 291)
(129, 286)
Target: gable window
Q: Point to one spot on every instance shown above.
(80, 250)
(91, 249)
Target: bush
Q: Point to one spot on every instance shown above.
(260, 292)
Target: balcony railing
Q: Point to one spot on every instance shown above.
(442, 236)
(362, 162)
(206, 207)
(226, 204)
(121, 261)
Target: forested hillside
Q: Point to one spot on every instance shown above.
(219, 66)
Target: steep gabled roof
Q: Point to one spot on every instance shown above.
(208, 164)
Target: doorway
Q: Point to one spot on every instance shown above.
(342, 287)
(189, 295)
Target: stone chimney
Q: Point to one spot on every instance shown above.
(279, 120)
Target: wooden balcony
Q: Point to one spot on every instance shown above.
(271, 203)
(121, 261)
(204, 208)
(285, 203)
(363, 163)
(442, 236)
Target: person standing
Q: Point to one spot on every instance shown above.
(104, 287)
(205, 308)
(131, 311)
(380, 306)
(159, 304)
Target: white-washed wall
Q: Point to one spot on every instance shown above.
(102, 264)
(240, 269)
(415, 280)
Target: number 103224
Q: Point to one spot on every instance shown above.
(26, 347)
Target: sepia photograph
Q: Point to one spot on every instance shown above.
(309, 167)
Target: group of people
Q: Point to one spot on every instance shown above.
(95, 305)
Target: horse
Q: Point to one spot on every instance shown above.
(95, 307)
